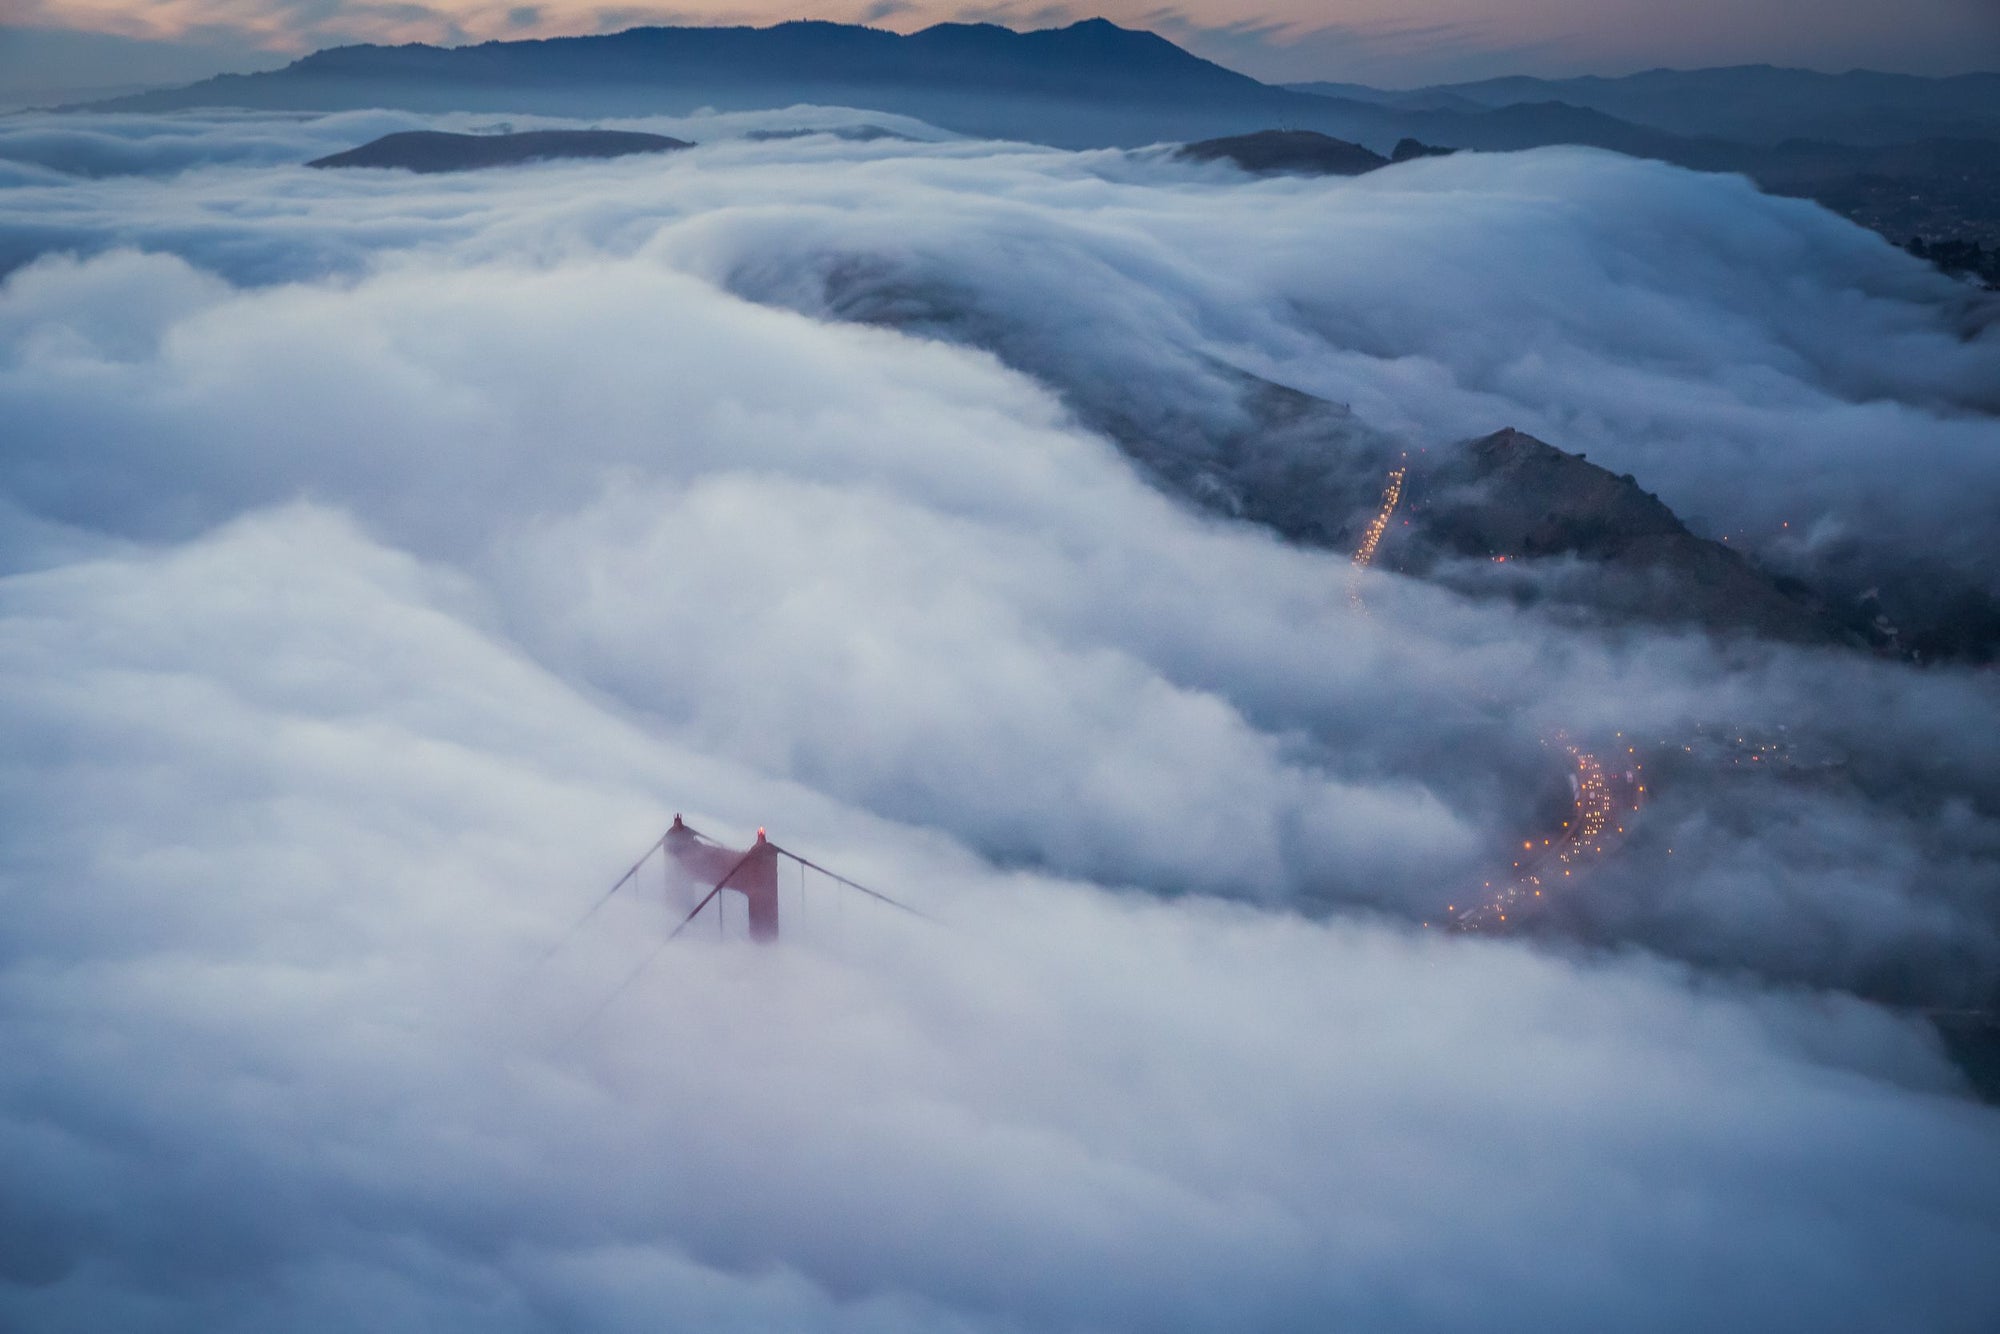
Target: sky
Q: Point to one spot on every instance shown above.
(1395, 43)
(384, 559)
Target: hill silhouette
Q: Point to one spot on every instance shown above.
(1088, 85)
(433, 150)
(1305, 151)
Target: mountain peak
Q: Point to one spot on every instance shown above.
(978, 77)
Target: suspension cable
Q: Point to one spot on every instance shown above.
(653, 954)
(841, 879)
(591, 912)
(622, 881)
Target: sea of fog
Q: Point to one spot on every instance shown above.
(384, 559)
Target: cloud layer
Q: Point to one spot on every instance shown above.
(277, 1055)
(388, 557)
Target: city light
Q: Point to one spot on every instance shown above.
(1379, 525)
(1364, 556)
(1581, 838)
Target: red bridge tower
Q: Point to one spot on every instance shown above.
(753, 874)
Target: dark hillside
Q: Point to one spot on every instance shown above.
(432, 150)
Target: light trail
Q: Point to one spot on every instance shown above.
(1364, 556)
(1391, 496)
(1545, 866)
(1608, 788)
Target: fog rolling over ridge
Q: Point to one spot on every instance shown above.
(389, 555)
(1909, 157)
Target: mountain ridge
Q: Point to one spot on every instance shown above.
(1758, 104)
(435, 151)
(1094, 84)
(1091, 84)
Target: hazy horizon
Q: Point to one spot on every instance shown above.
(94, 45)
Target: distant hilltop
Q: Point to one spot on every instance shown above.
(433, 150)
(1302, 152)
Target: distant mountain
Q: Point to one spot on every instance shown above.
(1089, 85)
(1419, 99)
(1305, 151)
(1941, 190)
(1756, 104)
(1094, 85)
(432, 150)
(1915, 159)
(1940, 198)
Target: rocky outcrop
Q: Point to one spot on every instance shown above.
(1538, 522)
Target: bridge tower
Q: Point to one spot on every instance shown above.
(752, 873)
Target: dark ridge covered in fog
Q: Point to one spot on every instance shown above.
(1909, 158)
(387, 557)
